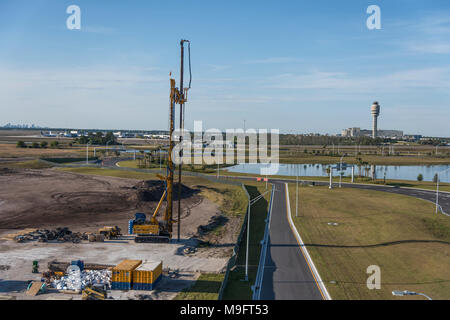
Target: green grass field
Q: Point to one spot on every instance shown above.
(236, 289)
(367, 218)
(206, 287)
(30, 164)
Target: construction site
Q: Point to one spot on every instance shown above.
(65, 235)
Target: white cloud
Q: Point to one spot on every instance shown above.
(273, 60)
(434, 47)
(425, 78)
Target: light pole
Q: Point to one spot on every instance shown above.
(87, 152)
(250, 202)
(400, 293)
(331, 178)
(106, 148)
(218, 170)
(437, 188)
(340, 171)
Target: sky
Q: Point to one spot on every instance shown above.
(297, 66)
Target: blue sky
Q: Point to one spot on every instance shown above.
(300, 66)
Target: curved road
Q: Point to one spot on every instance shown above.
(286, 273)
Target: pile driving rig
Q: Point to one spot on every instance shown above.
(153, 230)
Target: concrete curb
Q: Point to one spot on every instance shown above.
(316, 274)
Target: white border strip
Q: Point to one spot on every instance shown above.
(305, 251)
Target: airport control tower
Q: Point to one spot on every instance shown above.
(375, 109)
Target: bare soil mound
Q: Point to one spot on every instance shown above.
(152, 190)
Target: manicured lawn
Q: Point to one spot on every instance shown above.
(206, 287)
(367, 222)
(236, 289)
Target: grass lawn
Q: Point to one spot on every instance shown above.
(236, 289)
(11, 151)
(111, 173)
(206, 287)
(207, 169)
(31, 164)
(369, 218)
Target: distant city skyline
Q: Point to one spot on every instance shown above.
(300, 66)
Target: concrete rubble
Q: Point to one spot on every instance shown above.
(80, 280)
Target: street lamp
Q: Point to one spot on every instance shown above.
(250, 202)
(106, 149)
(87, 152)
(400, 293)
(340, 171)
(437, 188)
(331, 178)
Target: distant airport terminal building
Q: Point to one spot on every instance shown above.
(358, 132)
(375, 112)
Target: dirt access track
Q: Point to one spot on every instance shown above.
(50, 198)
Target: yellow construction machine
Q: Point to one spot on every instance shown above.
(110, 232)
(154, 230)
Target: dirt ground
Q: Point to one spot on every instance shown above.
(16, 259)
(50, 198)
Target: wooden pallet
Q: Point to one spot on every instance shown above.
(34, 289)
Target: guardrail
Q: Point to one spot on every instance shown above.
(262, 258)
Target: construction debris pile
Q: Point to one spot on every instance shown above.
(82, 279)
(59, 235)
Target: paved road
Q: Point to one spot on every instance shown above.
(286, 275)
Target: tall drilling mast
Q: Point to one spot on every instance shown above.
(182, 100)
(169, 209)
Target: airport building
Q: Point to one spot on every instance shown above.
(358, 132)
